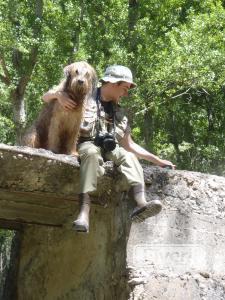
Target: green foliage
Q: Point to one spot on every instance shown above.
(175, 48)
(176, 51)
(7, 130)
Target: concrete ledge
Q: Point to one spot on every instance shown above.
(178, 254)
(39, 187)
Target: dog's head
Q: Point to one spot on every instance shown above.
(81, 79)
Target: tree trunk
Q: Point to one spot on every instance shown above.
(148, 128)
(132, 20)
(23, 68)
(133, 15)
(76, 34)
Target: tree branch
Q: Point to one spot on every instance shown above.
(24, 67)
(32, 59)
(4, 79)
(184, 93)
(204, 90)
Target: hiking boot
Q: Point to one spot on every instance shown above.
(152, 208)
(144, 209)
(81, 224)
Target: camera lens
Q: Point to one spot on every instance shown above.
(109, 144)
(105, 141)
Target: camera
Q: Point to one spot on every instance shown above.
(106, 141)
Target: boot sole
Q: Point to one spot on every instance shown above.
(80, 228)
(150, 210)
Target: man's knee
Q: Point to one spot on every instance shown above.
(130, 156)
(91, 153)
(126, 156)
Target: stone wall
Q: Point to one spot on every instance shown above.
(178, 254)
(62, 264)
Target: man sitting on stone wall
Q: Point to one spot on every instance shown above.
(106, 135)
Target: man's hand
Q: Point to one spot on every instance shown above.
(166, 163)
(62, 97)
(67, 103)
(128, 144)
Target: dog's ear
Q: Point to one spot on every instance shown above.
(67, 70)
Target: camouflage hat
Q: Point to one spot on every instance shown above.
(117, 73)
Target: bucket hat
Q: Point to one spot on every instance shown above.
(116, 73)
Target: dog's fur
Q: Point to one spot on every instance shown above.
(57, 129)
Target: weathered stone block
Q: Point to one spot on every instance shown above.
(175, 255)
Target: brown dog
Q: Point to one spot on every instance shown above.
(57, 129)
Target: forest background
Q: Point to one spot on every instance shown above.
(175, 49)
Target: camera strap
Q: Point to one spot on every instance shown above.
(98, 125)
(114, 119)
(98, 102)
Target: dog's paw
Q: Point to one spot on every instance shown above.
(74, 153)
